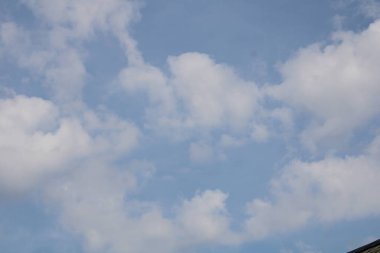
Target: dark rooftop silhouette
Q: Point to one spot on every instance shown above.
(373, 247)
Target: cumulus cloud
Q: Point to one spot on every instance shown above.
(148, 79)
(38, 140)
(33, 142)
(198, 95)
(212, 95)
(204, 218)
(330, 190)
(336, 85)
(96, 203)
(91, 201)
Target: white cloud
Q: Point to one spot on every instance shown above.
(146, 78)
(61, 69)
(92, 204)
(37, 140)
(54, 51)
(111, 135)
(80, 19)
(95, 202)
(197, 96)
(329, 190)
(48, 136)
(211, 94)
(205, 218)
(336, 84)
(84, 17)
(33, 142)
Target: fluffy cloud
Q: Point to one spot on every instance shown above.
(91, 201)
(38, 140)
(150, 80)
(212, 95)
(329, 190)
(96, 203)
(33, 142)
(199, 94)
(337, 85)
(205, 218)
(335, 88)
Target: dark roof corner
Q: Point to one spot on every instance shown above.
(373, 247)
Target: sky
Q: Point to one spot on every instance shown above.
(131, 126)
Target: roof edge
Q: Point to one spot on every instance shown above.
(365, 247)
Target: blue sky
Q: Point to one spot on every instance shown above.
(189, 126)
